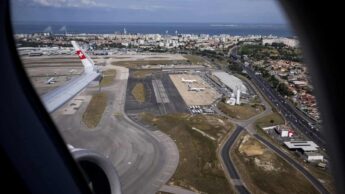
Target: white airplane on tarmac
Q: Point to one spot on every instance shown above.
(57, 97)
(188, 80)
(50, 80)
(190, 88)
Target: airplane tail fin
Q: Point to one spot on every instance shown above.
(85, 59)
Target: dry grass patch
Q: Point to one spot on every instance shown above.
(95, 109)
(139, 63)
(265, 172)
(270, 120)
(142, 73)
(108, 77)
(194, 59)
(139, 92)
(241, 112)
(199, 169)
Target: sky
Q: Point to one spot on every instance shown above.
(149, 11)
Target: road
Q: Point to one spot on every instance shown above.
(291, 114)
(249, 126)
(144, 159)
(316, 183)
(225, 154)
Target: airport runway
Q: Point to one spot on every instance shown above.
(174, 102)
(144, 159)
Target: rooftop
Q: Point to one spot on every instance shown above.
(231, 81)
(306, 146)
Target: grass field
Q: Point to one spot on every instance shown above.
(139, 63)
(95, 109)
(323, 175)
(265, 172)
(270, 120)
(108, 77)
(198, 169)
(194, 59)
(142, 73)
(139, 92)
(241, 112)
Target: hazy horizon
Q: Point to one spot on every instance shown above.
(149, 11)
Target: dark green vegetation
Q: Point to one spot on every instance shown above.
(273, 52)
(199, 168)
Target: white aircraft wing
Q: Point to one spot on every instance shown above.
(57, 97)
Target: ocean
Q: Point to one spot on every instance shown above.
(281, 30)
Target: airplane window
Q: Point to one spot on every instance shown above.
(180, 96)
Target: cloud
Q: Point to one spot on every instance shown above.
(59, 3)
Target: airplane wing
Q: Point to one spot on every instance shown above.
(57, 97)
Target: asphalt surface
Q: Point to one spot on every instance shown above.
(248, 126)
(291, 114)
(316, 183)
(176, 103)
(144, 159)
(228, 163)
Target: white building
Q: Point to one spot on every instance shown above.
(287, 41)
(313, 156)
(304, 146)
(231, 81)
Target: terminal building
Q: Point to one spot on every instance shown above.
(231, 81)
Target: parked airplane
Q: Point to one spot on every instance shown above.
(190, 88)
(188, 80)
(56, 98)
(50, 80)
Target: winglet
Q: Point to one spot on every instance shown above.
(85, 59)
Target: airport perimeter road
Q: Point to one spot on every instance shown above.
(291, 114)
(249, 126)
(316, 183)
(230, 167)
(144, 159)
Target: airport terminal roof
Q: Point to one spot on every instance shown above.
(231, 81)
(306, 146)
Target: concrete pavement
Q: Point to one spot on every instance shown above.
(144, 159)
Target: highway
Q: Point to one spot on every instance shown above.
(316, 183)
(291, 114)
(228, 163)
(249, 127)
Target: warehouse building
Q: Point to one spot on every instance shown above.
(231, 81)
(302, 146)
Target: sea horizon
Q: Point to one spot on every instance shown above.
(211, 28)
